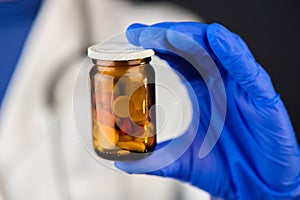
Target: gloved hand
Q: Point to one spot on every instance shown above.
(256, 155)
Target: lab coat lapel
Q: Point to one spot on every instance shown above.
(55, 35)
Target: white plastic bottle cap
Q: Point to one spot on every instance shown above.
(120, 51)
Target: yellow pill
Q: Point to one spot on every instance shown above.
(132, 146)
(99, 148)
(107, 137)
(96, 132)
(138, 139)
(122, 106)
(123, 152)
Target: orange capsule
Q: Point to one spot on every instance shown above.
(106, 118)
(104, 100)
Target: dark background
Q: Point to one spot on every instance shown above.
(271, 28)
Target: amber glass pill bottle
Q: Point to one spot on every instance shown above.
(122, 99)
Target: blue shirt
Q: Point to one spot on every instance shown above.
(16, 18)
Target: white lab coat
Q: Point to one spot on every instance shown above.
(36, 163)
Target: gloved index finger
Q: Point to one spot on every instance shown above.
(153, 36)
(183, 45)
(133, 33)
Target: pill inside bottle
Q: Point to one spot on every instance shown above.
(122, 85)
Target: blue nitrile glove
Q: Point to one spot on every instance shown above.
(256, 155)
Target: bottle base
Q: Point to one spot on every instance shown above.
(122, 155)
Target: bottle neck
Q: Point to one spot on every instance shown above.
(126, 63)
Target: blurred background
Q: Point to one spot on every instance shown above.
(271, 29)
(43, 42)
